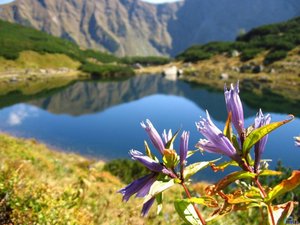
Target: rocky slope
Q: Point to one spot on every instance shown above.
(133, 27)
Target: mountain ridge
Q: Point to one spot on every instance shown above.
(133, 27)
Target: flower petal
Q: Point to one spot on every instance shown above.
(147, 206)
(154, 136)
(234, 105)
(184, 143)
(216, 141)
(135, 186)
(149, 163)
(259, 147)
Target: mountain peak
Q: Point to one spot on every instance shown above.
(134, 27)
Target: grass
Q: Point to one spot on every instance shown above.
(35, 60)
(42, 186)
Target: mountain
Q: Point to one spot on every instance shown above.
(133, 27)
(129, 27)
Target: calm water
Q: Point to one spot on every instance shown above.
(102, 119)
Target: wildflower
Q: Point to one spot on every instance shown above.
(140, 187)
(147, 205)
(216, 141)
(150, 163)
(259, 147)
(184, 142)
(154, 136)
(297, 141)
(234, 105)
(167, 137)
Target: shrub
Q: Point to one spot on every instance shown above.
(275, 56)
(249, 54)
(107, 70)
(147, 60)
(126, 170)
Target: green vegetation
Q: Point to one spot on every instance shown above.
(107, 70)
(16, 39)
(126, 170)
(40, 186)
(277, 39)
(146, 60)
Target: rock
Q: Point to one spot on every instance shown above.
(13, 79)
(272, 71)
(235, 53)
(224, 76)
(170, 72)
(235, 69)
(137, 66)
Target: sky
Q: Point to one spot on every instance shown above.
(160, 1)
(5, 1)
(151, 1)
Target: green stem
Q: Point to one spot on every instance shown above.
(194, 205)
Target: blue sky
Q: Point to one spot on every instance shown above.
(160, 1)
(5, 1)
(151, 1)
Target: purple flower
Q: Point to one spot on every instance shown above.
(259, 147)
(297, 141)
(167, 137)
(147, 205)
(184, 143)
(234, 106)
(216, 141)
(154, 136)
(140, 187)
(150, 163)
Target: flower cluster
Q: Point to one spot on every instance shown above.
(173, 168)
(141, 187)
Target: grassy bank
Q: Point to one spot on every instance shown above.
(42, 186)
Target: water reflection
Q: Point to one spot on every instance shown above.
(92, 97)
(101, 119)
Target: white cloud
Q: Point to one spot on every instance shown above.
(20, 113)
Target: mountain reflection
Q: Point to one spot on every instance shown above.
(92, 97)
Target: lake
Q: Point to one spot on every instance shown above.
(102, 119)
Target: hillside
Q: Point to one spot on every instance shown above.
(26, 48)
(42, 186)
(133, 27)
(276, 39)
(266, 60)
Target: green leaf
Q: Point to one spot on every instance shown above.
(270, 173)
(159, 201)
(158, 187)
(205, 200)
(196, 167)
(170, 142)
(224, 165)
(259, 133)
(191, 152)
(286, 185)
(229, 179)
(187, 212)
(148, 151)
